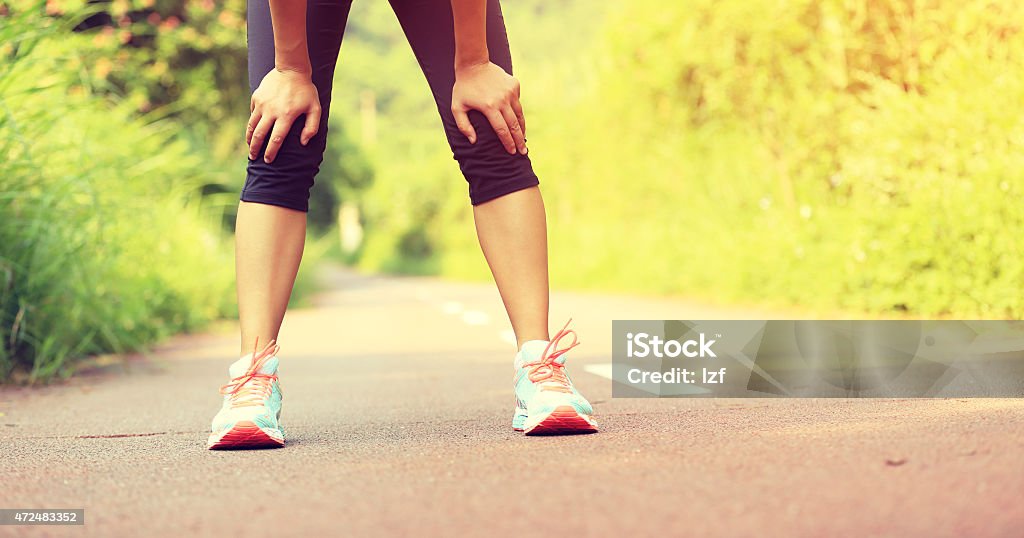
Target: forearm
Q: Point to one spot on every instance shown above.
(289, 20)
(470, 32)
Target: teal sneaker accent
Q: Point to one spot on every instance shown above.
(518, 419)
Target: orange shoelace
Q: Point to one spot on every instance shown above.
(546, 369)
(253, 386)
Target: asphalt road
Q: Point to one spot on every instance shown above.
(397, 408)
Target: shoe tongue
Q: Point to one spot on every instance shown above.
(533, 350)
(242, 365)
(270, 366)
(530, 352)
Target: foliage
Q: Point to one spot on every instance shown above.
(179, 57)
(105, 243)
(856, 155)
(859, 155)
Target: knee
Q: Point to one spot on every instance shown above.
(286, 182)
(490, 171)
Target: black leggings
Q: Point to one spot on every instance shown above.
(490, 171)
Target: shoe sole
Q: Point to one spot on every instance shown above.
(244, 435)
(563, 420)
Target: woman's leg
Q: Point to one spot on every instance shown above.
(513, 235)
(268, 247)
(270, 229)
(510, 223)
(508, 209)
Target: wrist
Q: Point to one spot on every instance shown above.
(467, 62)
(286, 69)
(461, 69)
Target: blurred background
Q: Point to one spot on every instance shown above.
(857, 156)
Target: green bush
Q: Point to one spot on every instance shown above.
(837, 155)
(105, 243)
(182, 58)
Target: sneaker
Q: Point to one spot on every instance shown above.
(546, 401)
(251, 414)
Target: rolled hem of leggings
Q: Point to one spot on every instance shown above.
(504, 188)
(277, 200)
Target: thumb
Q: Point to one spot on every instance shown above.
(462, 121)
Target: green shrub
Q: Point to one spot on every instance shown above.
(859, 155)
(105, 243)
(839, 155)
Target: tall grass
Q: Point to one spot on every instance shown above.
(105, 243)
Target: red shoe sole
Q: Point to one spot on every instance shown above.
(564, 420)
(245, 435)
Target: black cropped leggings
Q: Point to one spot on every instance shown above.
(428, 24)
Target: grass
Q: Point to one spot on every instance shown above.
(105, 243)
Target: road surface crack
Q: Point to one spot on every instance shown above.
(109, 436)
(120, 435)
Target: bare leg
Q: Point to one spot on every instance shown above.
(268, 247)
(513, 235)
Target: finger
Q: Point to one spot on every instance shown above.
(465, 127)
(517, 131)
(259, 135)
(254, 119)
(517, 107)
(312, 125)
(501, 129)
(281, 128)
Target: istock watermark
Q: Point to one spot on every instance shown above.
(820, 359)
(644, 345)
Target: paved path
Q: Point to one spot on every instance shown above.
(397, 405)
